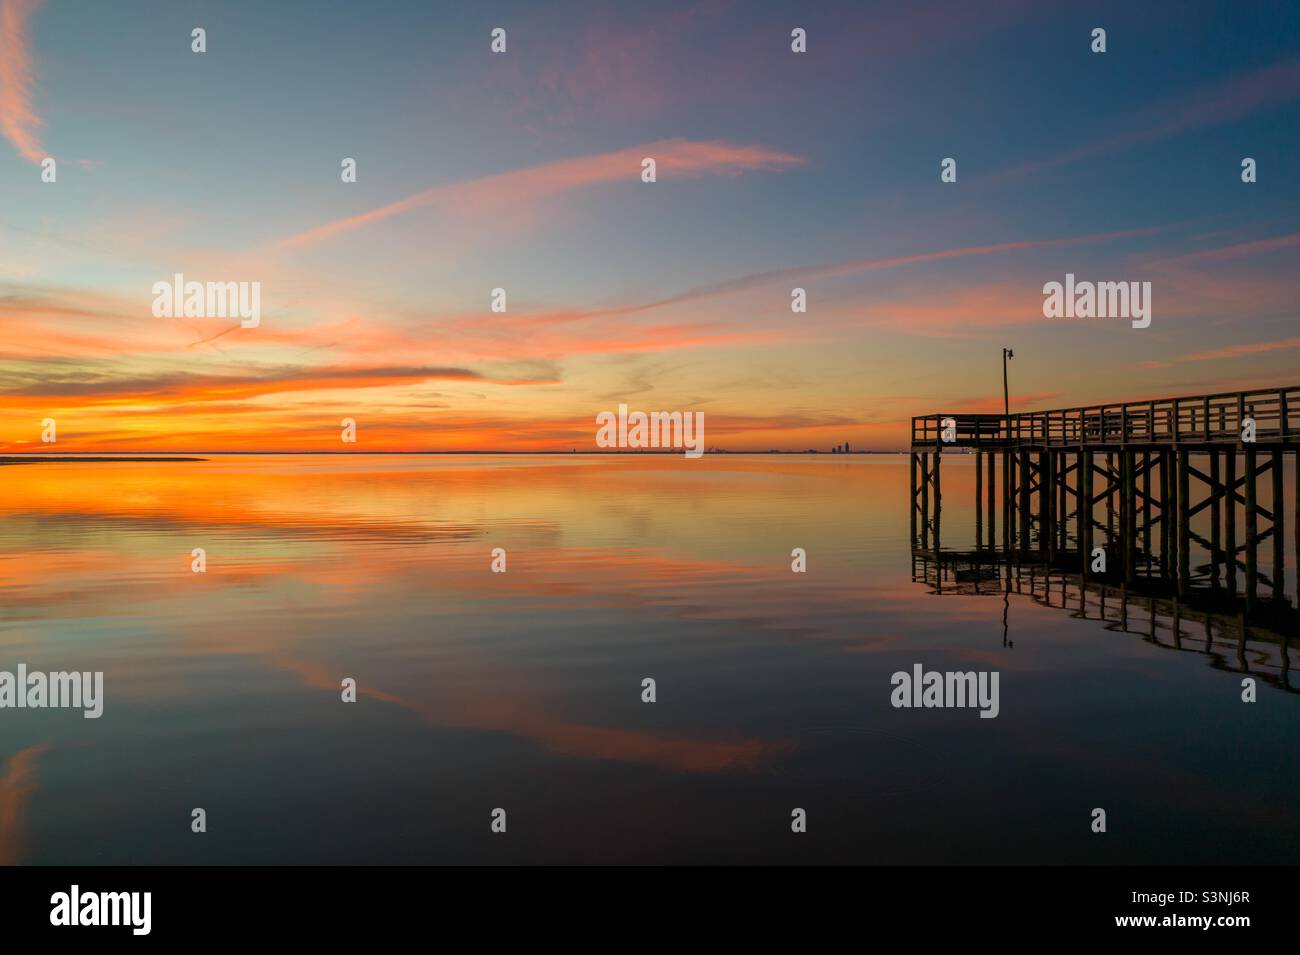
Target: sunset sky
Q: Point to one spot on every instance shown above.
(522, 171)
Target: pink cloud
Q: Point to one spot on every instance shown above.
(1228, 351)
(523, 188)
(640, 67)
(18, 119)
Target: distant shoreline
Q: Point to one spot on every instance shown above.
(93, 459)
(37, 457)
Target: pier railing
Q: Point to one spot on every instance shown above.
(1216, 419)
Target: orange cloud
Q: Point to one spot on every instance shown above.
(522, 188)
(1228, 351)
(192, 387)
(18, 118)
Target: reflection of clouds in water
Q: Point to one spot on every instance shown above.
(17, 783)
(314, 545)
(519, 712)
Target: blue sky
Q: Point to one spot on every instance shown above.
(174, 161)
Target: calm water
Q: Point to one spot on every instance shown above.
(522, 690)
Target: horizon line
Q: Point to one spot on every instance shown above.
(665, 451)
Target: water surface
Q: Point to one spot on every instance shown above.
(522, 690)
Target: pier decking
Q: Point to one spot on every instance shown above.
(1191, 421)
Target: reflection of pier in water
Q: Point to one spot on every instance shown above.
(1146, 512)
(1201, 621)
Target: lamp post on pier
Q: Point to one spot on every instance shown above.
(1006, 395)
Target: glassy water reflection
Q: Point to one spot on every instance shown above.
(522, 690)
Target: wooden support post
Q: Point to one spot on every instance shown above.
(1279, 529)
(1128, 500)
(1146, 510)
(1230, 518)
(915, 490)
(979, 503)
(1216, 489)
(1166, 500)
(1023, 503)
(1009, 505)
(925, 500)
(1085, 511)
(1110, 498)
(1047, 497)
(938, 504)
(1063, 506)
(1252, 534)
(1006, 502)
(992, 513)
(1184, 528)
(1122, 554)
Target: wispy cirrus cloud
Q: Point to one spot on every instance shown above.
(1242, 350)
(1241, 250)
(19, 121)
(631, 65)
(521, 189)
(853, 266)
(1228, 100)
(209, 387)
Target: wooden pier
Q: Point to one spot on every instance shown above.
(1186, 490)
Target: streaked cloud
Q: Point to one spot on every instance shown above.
(19, 121)
(1210, 105)
(1242, 350)
(853, 266)
(224, 387)
(522, 188)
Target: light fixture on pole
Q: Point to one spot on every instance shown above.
(1006, 399)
